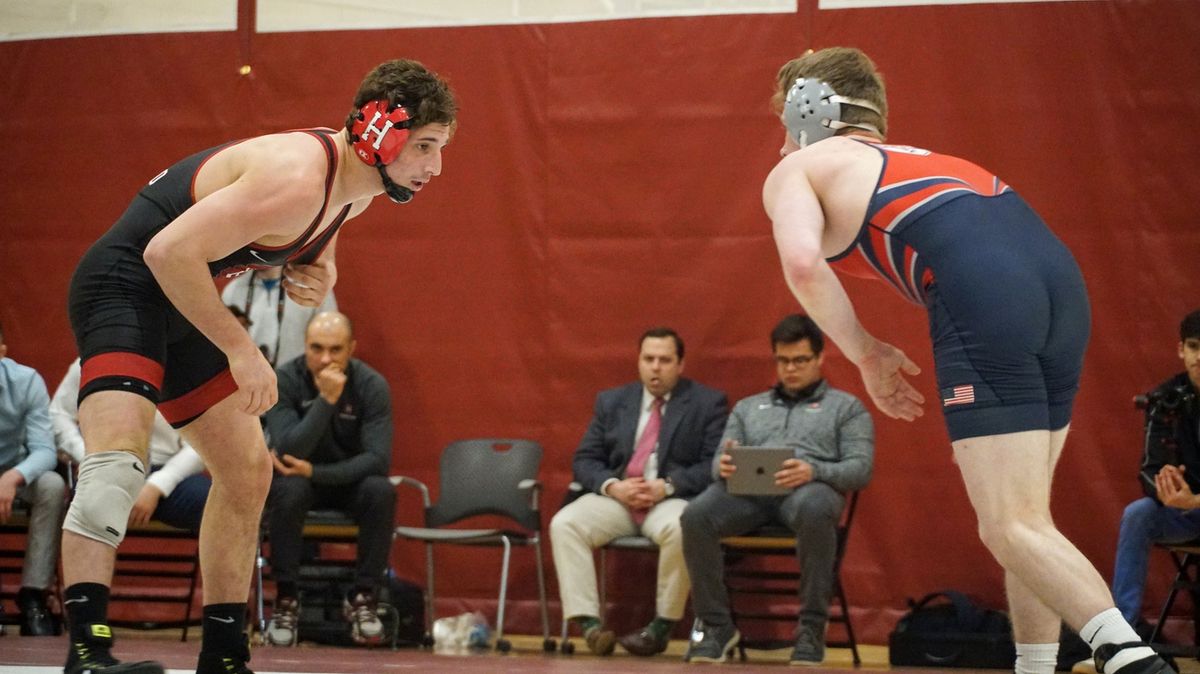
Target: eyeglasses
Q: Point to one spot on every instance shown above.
(784, 361)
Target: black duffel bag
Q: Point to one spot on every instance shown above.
(946, 629)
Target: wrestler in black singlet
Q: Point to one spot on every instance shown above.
(130, 337)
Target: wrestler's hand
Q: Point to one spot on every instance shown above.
(255, 379)
(883, 368)
(307, 284)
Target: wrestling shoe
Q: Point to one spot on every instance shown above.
(1151, 664)
(362, 613)
(213, 663)
(93, 656)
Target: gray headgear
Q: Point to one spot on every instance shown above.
(812, 111)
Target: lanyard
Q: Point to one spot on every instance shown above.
(278, 312)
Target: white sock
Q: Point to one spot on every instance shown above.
(1036, 658)
(1108, 627)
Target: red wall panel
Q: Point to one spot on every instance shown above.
(606, 177)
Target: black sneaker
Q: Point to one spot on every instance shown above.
(36, 619)
(93, 656)
(1151, 664)
(711, 643)
(215, 663)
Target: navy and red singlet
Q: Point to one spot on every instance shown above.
(1008, 309)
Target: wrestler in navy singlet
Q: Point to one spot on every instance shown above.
(1008, 310)
(130, 337)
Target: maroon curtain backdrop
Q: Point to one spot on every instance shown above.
(605, 178)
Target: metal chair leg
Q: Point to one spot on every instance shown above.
(541, 577)
(503, 588)
(429, 590)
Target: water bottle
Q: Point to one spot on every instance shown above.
(478, 636)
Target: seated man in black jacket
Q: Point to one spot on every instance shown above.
(332, 436)
(1170, 476)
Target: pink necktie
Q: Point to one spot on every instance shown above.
(646, 443)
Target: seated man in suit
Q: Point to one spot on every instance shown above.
(834, 442)
(332, 435)
(647, 450)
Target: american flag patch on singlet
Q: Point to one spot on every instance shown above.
(960, 395)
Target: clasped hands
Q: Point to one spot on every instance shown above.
(1173, 490)
(638, 493)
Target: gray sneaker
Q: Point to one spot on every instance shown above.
(809, 649)
(282, 630)
(711, 643)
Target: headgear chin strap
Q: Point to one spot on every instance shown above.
(397, 193)
(378, 134)
(812, 112)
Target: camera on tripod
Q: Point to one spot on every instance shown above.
(1168, 401)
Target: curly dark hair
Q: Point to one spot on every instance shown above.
(426, 96)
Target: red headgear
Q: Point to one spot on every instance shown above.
(379, 132)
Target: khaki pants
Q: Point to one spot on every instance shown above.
(593, 520)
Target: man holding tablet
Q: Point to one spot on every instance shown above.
(832, 443)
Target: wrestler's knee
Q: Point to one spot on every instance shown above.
(108, 484)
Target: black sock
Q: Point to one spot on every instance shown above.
(86, 604)
(224, 628)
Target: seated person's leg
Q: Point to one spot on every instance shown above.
(662, 526)
(812, 512)
(707, 519)
(47, 503)
(1144, 523)
(184, 508)
(576, 530)
(372, 504)
(289, 501)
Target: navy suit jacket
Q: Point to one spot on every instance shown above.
(692, 425)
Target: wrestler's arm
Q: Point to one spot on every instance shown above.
(798, 223)
(274, 197)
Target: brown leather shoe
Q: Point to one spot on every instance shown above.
(644, 643)
(601, 641)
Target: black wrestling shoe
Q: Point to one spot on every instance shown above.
(1151, 664)
(93, 656)
(213, 663)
